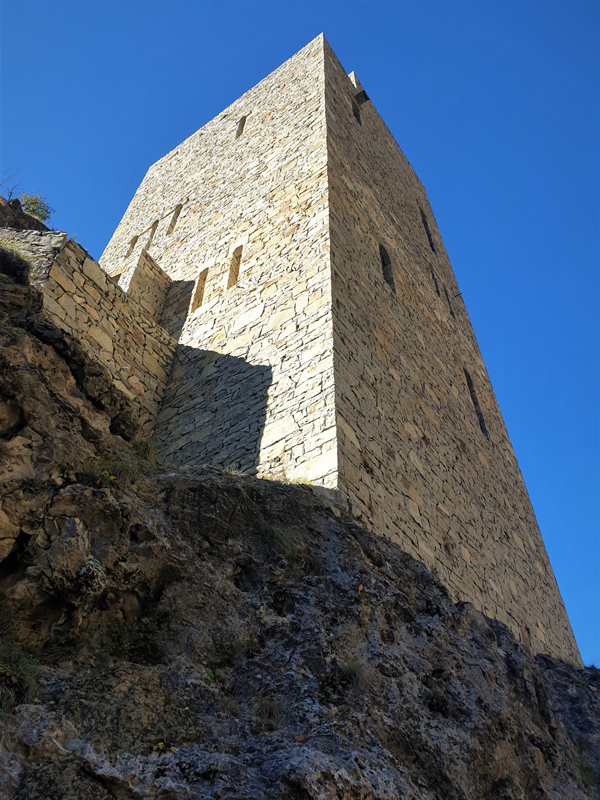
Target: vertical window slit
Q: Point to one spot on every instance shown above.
(356, 112)
(234, 269)
(476, 405)
(152, 232)
(199, 293)
(241, 126)
(427, 231)
(436, 284)
(449, 303)
(386, 267)
(174, 219)
(132, 245)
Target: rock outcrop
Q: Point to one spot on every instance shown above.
(199, 634)
(13, 216)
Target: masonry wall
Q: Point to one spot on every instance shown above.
(413, 457)
(81, 299)
(252, 385)
(317, 354)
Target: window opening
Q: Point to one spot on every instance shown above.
(199, 293)
(361, 97)
(241, 126)
(174, 219)
(132, 245)
(386, 267)
(435, 281)
(234, 269)
(449, 303)
(476, 405)
(427, 231)
(152, 232)
(356, 111)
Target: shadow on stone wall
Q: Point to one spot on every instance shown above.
(213, 411)
(176, 307)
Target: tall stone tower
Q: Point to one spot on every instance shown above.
(322, 336)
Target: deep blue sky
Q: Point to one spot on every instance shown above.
(495, 104)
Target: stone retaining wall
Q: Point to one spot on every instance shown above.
(118, 330)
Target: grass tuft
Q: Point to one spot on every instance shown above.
(18, 676)
(112, 469)
(271, 712)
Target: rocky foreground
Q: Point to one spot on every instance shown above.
(199, 634)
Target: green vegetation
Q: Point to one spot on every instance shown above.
(118, 469)
(233, 472)
(18, 676)
(145, 450)
(36, 205)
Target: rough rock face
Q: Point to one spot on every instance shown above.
(13, 216)
(201, 634)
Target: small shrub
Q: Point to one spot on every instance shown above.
(36, 205)
(18, 676)
(92, 577)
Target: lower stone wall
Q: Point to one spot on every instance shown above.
(83, 300)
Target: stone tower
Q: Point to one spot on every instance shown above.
(322, 337)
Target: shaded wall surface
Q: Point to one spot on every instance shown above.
(423, 450)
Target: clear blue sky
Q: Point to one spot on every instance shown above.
(495, 104)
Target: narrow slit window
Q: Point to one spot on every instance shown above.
(449, 303)
(132, 245)
(386, 268)
(436, 284)
(356, 111)
(174, 219)
(199, 293)
(476, 405)
(241, 126)
(234, 269)
(427, 231)
(152, 232)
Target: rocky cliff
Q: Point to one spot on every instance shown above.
(200, 634)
